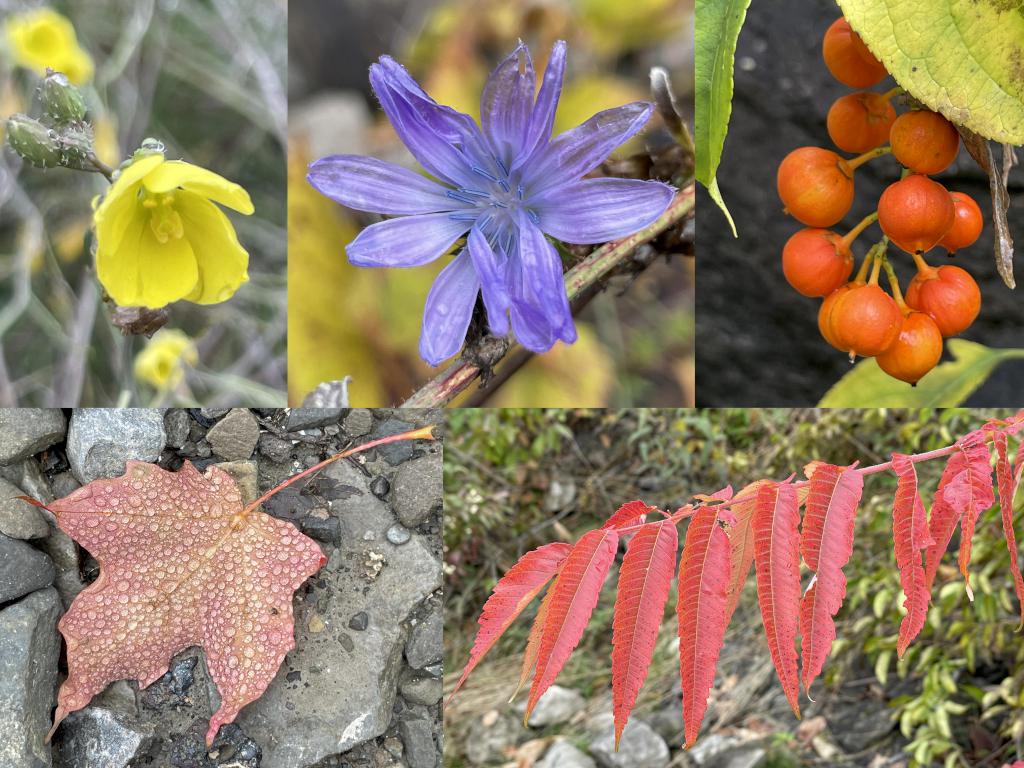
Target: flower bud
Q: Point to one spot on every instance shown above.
(33, 141)
(62, 101)
(74, 141)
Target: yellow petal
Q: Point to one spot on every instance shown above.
(144, 272)
(178, 173)
(126, 184)
(223, 262)
(162, 361)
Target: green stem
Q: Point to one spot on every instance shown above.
(857, 162)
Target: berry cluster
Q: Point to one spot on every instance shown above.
(904, 332)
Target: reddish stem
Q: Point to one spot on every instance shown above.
(424, 433)
(870, 470)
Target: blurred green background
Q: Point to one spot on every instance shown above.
(517, 479)
(206, 77)
(636, 339)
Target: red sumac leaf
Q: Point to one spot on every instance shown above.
(630, 513)
(826, 543)
(703, 579)
(741, 545)
(533, 643)
(777, 565)
(979, 496)
(1004, 476)
(910, 535)
(575, 594)
(965, 488)
(644, 581)
(513, 592)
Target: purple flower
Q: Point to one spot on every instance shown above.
(506, 187)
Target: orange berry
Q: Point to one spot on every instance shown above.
(816, 186)
(816, 261)
(916, 213)
(916, 351)
(924, 141)
(825, 314)
(865, 321)
(948, 295)
(858, 122)
(848, 59)
(967, 225)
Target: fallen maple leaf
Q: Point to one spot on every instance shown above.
(183, 563)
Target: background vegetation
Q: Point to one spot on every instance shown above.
(207, 78)
(636, 339)
(521, 478)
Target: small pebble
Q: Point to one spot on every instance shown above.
(380, 486)
(359, 622)
(398, 534)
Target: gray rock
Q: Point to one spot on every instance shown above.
(213, 413)
(23, 569)
(29, 649)
(862, 727)
(359, 622)
(490, 735)
(395, 453)
(417, 489)
(25, 432)
(420, 689)
(557, 705)
(640, 746)
(358, 422)
(562, 754)
(740, 750)
(330, 394)
(102, 440)
(19, 519)
(425, 646)
(275, 449)
(418, 738)
(349, 679)
(380, 486)
(177, 425)
(309, 418)
(398, 534)
(28, 476)
(96, 737)
(235, 436)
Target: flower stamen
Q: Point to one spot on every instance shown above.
(164, 220)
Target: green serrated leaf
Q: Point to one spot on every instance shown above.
(717, 29)
(962, 58)
(945, 387)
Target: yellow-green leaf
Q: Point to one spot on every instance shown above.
(963, 58)
(867, 385)
(717, 30)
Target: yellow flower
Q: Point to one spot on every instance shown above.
(44, 38)
(159, 238)
(162, 362)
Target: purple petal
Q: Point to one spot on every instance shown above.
(580, 150)
(492, 283)
(449, 309)
(537, 279)
(368, 184)
(425, 131)
(531, 327)
(409, 241)
(599, 210)
(506, 103)
(463, 146)
(542, 118)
